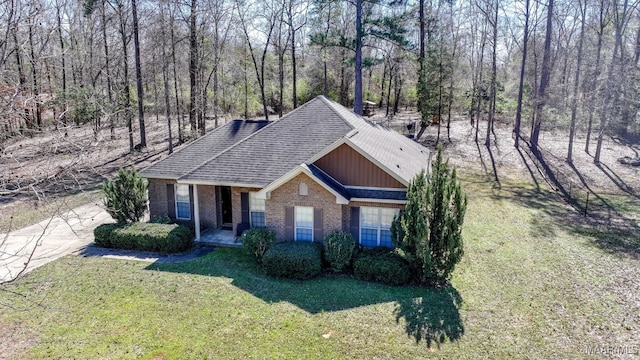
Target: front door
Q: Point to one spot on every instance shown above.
(226, 208)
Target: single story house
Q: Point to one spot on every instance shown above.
(317, 169)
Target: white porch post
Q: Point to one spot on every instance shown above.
(196, 211)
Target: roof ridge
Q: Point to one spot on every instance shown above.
(332, 105)
(284, 117)
(269, 123)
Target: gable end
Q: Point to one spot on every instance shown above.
(350, 168)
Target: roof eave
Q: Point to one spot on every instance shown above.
(381, 201)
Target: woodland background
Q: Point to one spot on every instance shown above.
(568, 65)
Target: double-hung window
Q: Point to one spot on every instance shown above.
(375, 226)
(256, 210)
(183, 203)
(303, 223)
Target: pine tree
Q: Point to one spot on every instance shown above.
(429, 231)
(126, 196)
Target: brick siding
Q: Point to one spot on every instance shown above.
(157, 190)
(288, 195)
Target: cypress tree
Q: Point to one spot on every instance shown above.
(429, 230)
(125, 196)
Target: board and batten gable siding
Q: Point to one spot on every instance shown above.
(350, 168)
(286, 197)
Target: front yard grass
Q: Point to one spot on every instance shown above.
(535, 282)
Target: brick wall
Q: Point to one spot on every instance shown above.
(157, 190)
(318, 197)
(236, 206)
(207, 206)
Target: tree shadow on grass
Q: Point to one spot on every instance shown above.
(433, 317)
(429, 315)
(605, 227)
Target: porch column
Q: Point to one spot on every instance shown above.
(196, 211)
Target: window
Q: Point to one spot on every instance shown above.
(375, 226)
(303, 223)
(256, 210)
(183, 203)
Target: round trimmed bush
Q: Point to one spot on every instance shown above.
(338, 250)
(295, 260)
(257, 240)
(381, 265)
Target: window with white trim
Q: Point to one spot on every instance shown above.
(256, 210)
(303, 216)
(375, 226)
(183, 202)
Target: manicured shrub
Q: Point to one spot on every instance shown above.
(381, 265)
(257, 240)
(296, 260)
(163, 238)
(102, 234)
(162, 219)
(338, 250)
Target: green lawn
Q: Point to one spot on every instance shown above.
(536, 282)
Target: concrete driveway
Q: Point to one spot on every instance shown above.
(48, 240)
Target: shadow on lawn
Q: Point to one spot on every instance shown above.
(606, 227)
(429, 315)
(432, 317)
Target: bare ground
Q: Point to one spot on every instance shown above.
(51, 165)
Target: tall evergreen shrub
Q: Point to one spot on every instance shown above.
(429, 230)
(125, 196)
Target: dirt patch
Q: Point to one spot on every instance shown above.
(15, 340)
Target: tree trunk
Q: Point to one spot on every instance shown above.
(576, 84)
(126, 95)
(607, 109)
(175, 82)
(136, 50)
(63, 116)
(165, 78)
(112, 125)
(357, 99)
(544, 79)
(494, 73)
(193, 66)
(294, 67)
(516, 128)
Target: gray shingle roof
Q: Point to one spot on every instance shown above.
(193, 155)
(258, 153)
(268, 154)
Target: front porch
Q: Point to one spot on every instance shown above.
(219, 237)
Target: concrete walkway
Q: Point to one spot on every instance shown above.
(49, 240)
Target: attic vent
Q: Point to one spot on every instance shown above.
(400, 149)
(398, 165)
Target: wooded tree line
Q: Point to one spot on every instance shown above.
(557, 63)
